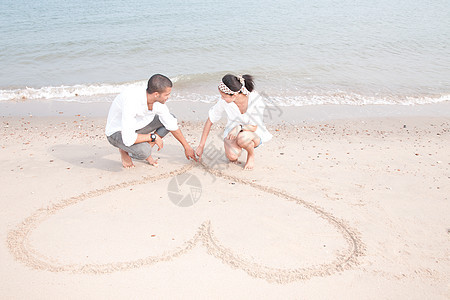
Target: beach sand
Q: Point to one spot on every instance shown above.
(350, 206)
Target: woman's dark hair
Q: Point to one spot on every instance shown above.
(233, 83)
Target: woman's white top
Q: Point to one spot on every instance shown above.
(253, 116)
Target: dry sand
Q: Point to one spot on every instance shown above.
(354, 208)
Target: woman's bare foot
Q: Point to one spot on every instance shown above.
(250, 162)
(236, 162)
(151, 161)
(127, 163)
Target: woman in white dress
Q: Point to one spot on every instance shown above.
(244, 109)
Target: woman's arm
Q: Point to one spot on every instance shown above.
(205, 133)
(235, 131)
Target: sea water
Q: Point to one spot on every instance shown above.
(305, 52)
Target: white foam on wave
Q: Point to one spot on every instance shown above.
(326, 99)
(86, 93)
(75, 93)
(356, 99)
(66, 92)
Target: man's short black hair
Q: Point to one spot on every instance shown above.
(158, 83)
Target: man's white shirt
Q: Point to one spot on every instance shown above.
(129, 112)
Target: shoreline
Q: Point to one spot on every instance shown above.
(197, 111)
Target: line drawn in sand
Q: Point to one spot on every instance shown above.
(19, 246)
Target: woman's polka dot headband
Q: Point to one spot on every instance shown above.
(223, 87)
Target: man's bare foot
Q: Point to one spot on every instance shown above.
(250, 162)
(127, 162)
(151, 161)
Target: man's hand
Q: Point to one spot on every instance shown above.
(199, 152)
(158, 141)
(189, 152)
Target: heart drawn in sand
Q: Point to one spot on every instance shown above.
(19, 239)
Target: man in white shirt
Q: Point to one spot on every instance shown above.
(138, 119)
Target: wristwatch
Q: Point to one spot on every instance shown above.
(153, 137)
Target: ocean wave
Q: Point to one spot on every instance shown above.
(355, 99)
(86, 92)
(185, 84)
(334, 98)
(66, 92)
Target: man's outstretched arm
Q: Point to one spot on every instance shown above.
(188, 151)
